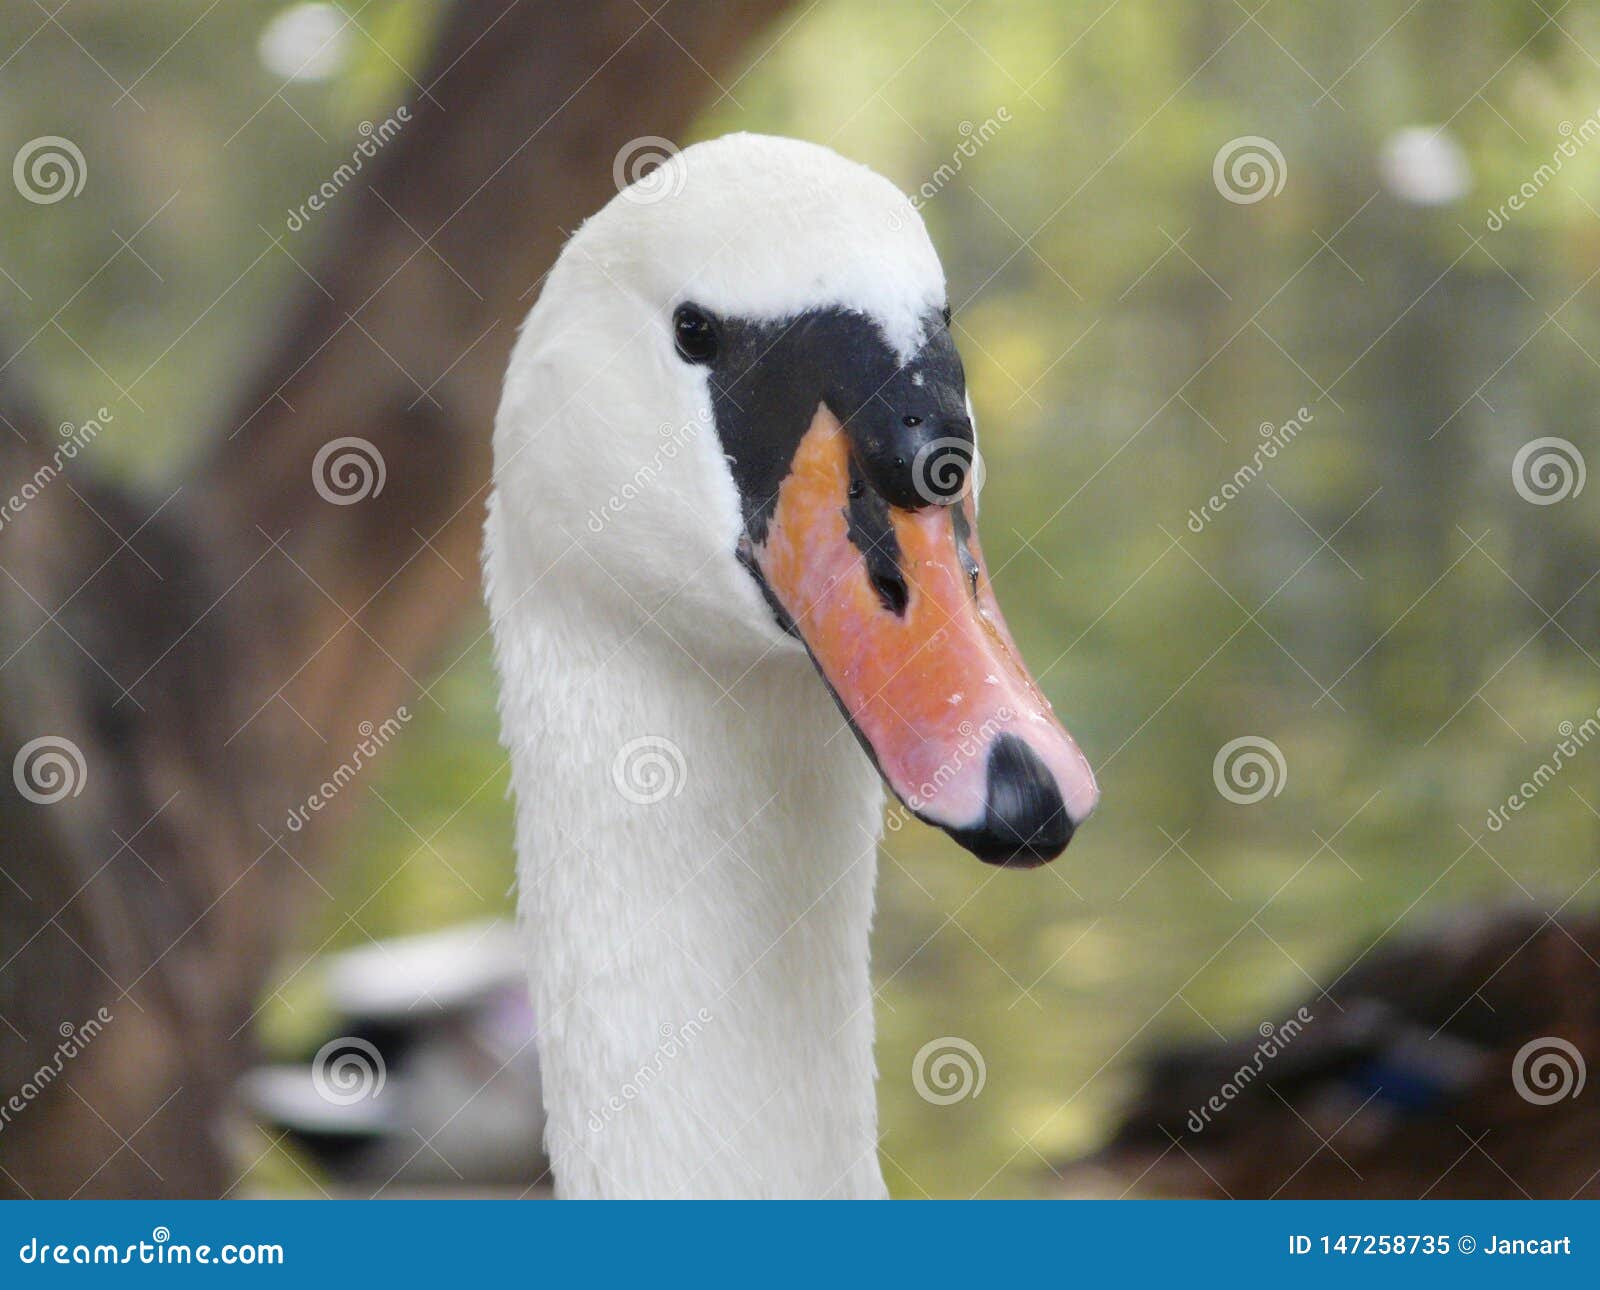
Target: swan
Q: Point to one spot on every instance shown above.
(735, 588)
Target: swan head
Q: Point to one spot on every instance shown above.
(739, 397)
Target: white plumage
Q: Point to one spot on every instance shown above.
(744, 895)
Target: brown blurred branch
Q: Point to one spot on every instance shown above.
(201, 658)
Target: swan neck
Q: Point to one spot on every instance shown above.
(697, 856)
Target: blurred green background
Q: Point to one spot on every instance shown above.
(1381, 602)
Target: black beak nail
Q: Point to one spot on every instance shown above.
(1025, 820)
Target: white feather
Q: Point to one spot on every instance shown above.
(619, 611)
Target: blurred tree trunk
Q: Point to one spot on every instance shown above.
(214, 659)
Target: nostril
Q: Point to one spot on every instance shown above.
(891, 589)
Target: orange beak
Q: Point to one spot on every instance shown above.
(903, 625)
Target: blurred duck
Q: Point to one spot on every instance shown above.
(1453, 1065)
(426, 1075)
(732, 537)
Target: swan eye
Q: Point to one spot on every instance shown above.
(694, 334)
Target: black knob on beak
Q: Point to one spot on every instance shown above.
(911, 434)
(918, 461)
